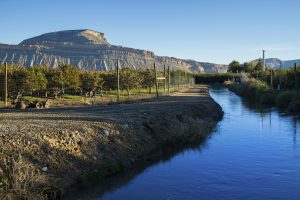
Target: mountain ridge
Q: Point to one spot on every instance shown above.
(90, 50)
(276, 63)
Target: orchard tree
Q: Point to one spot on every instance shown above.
(109, 81)
(148, 79)
(70, 77)
(129, 79)
(90, 82)
(36, 79)
(54, 79)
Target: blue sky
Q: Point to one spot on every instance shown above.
(205, 30)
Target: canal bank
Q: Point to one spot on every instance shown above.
(48, 152)
(253, 154)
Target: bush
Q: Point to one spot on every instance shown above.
(284, 99)
(268, 98)
(212, 78)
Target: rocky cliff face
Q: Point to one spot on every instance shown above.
(88, 49)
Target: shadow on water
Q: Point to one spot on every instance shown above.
(116, 181)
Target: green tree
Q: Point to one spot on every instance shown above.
(91, 82)
(70, 77)
(235, 67)
(54, 79)
(129, 79)
(36, 79)
(109, 81)
(148, 79)
(259, 66)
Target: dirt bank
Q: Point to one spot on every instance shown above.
(44, 152)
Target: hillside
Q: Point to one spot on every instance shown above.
(274, 63)
(89, 49)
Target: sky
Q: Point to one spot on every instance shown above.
(217, 31)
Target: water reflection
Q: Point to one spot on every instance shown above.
(252, 155)
(111, 184)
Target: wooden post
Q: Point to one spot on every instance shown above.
(156, 81)
(169, 79)
(178, 81)
(189, 82)
(165, 81)
(118, 82)
(184, 79)
(296, 81)
(271, 78)
(5, 85)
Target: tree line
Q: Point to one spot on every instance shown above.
(47, 81)
(288, 78)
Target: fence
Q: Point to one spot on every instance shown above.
(67, 85)
(280, 79)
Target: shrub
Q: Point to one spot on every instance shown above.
(285, 98)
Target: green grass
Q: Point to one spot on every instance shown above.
(107, 97)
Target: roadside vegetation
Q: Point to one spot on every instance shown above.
(273, 87)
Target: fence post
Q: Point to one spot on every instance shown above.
(156, 81)
(178, 81)
(165, 80)
(271, 78)
(118, 82)
(5, 85)
(169, 80)
(296, 81)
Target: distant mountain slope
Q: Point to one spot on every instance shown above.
(88, 49)
(275, 63)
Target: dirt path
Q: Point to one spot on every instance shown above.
(46, 151)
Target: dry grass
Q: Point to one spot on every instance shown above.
(20, 180)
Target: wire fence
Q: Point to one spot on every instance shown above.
(40, 86)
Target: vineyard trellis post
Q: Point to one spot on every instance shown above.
(169, 80)
(118, 82)
(165, 80)
(296, 81)
(156, 81)
(5, 85)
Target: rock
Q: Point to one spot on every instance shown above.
(94, 158)
(22, 105)
(106, 132)
(44, 169)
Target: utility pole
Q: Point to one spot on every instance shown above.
(156, 81)
(5, 85)
(118, 82)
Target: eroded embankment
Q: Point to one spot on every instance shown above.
(47, 151)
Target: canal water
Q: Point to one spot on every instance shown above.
(253, 154)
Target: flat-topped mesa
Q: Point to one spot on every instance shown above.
(69, 37)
